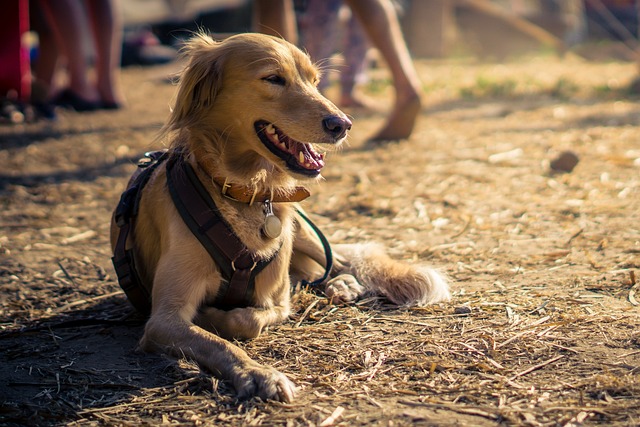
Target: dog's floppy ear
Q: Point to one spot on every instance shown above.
(199, 82)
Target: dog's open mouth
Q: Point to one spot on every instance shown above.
(299, 157)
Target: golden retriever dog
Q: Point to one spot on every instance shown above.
(248, 116)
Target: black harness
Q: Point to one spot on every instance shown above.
(238, 266)
(124, 259)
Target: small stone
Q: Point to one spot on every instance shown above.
(463, 309)
(565, 162)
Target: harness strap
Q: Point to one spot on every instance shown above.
(128, 277)
(239, 267)
(123, 259)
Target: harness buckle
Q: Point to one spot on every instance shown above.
(233, 266)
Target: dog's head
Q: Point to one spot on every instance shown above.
(251, 103)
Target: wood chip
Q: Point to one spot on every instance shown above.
(331, 419)
(79, 237)
(506, 156)
(536, 367)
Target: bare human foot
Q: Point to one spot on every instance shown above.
(380, 20)
(402, 118)
(358, 102)
(111, 96)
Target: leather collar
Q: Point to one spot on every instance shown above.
(244, 194)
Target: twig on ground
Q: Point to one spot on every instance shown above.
(536, 367)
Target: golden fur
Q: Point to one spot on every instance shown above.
(225, 89)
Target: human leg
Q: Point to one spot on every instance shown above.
(318, 31)
(275, 17)
(106, 23)
(65, 18)
(355, 52)
(380, 21)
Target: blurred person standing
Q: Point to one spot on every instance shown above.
(380, 21)
(15, 81)
(323, 32)
(67, 21)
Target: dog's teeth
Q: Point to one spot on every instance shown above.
(301, 157)
(271, 130)
(275, 137)
(322, 155)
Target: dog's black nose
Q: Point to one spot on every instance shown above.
(336, 126)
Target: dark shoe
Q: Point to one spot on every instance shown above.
(45, 111)
(104, 105)
(68, 99)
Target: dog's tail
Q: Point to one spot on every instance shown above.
(401, 283)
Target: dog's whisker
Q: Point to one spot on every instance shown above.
(322, 62)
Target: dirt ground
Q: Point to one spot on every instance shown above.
(542, 329)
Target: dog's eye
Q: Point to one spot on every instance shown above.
(275, 79)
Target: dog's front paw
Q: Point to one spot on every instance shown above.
(343, 289)
(264, 382)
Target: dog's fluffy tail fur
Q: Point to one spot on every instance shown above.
(401, 283)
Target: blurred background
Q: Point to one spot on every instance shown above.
(433, 28)
(152, 31)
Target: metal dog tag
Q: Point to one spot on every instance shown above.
(272, 225)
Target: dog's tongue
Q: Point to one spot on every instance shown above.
(300, 154)
(305, 155)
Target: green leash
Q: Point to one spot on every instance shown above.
(327, 252)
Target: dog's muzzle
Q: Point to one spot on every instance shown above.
(300, 157)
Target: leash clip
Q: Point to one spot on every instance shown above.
(272, 227)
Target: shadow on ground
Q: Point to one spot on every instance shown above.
(62, 368)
